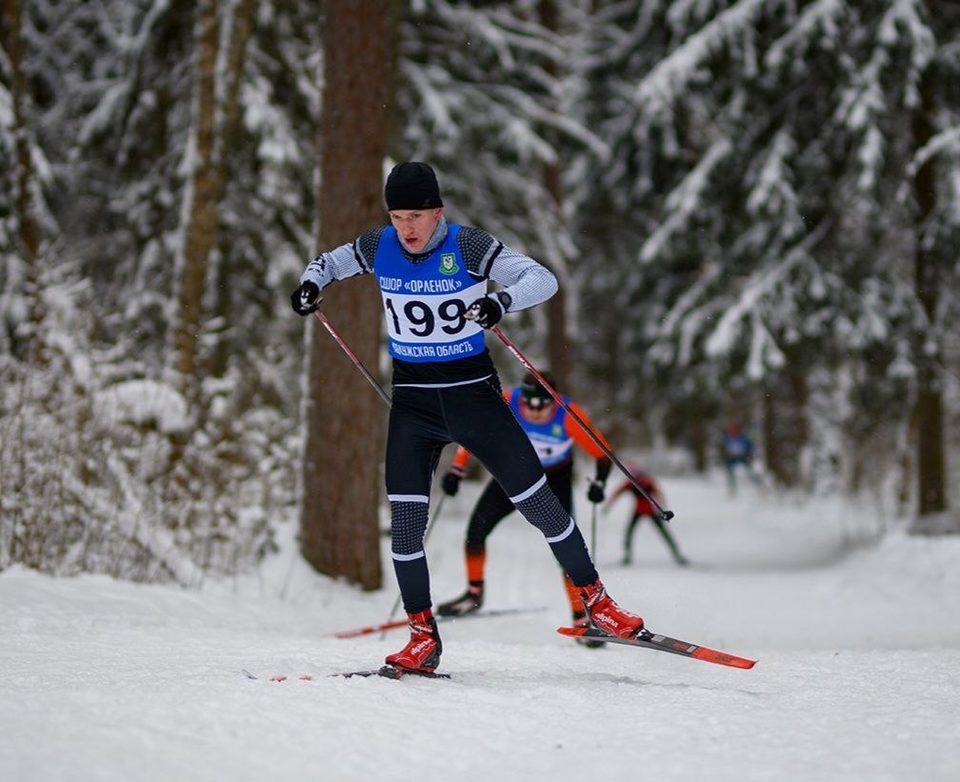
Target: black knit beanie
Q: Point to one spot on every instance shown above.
(412, 186)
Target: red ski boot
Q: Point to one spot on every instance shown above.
(422, 652)
(606, 615)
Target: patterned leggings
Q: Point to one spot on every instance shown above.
(475, 415)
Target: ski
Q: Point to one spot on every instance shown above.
(386, 671)
(304, 677)
(403, 622)
(662, 643)
(392, 672)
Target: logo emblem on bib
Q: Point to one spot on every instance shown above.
(448, 264)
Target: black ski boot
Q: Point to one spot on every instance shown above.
(467, 603)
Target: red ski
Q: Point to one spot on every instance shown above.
(662, 643)
(380, 628)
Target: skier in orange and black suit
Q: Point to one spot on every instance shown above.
(553, 433)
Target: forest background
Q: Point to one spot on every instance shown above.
(753, 208)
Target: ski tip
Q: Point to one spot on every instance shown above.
(722, 658)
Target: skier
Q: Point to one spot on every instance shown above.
(433, 279)
(553, 434)
(642, 508)
(737, 451)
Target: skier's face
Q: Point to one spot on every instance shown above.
(415, 226)
(537, 415)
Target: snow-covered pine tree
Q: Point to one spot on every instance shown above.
(111, 85)
(21, 235)
(486, 94)
(759, 148)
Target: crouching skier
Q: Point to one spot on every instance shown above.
(433, 278)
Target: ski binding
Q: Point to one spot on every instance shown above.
(393, 672)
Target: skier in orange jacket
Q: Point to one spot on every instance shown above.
(553, 434)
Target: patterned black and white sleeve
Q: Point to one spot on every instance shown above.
(347, 260)
(527, 282)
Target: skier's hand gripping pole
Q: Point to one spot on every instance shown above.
(665, 515)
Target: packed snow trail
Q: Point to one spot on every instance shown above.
(859, 674)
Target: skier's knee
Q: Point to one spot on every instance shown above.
(540, 506)
(408, 523)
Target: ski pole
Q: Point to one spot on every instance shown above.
(665, 515)
(382, 628)
(593, 533)
(396, 603)
(383, 395)
(352, 356)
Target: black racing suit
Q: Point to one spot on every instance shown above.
(438, 402)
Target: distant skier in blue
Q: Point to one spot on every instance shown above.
(737, 450)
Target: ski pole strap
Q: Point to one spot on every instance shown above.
(665, 515)
(353, 357)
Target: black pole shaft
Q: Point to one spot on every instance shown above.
(353, 357)
(383, 395)
(665, 515)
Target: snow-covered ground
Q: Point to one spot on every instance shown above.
(858, 679)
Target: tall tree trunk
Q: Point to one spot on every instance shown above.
(699, 443)
(771, 450)
(11, 38)
(784, 426)
(558, 341)
(201, 228)
(242, 29)
(931, 466)
(339, 520)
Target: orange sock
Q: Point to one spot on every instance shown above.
(573, 595)
(476, 560)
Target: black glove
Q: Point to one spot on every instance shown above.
(306, 298)
(595, 493)
(451, 483)
(486, 312)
